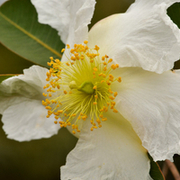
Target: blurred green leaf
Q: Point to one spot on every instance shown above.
(21, 33)
(11, 63)
(5, 76)
(155, 171)
(174, 13)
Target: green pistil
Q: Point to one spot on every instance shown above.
(87, 87)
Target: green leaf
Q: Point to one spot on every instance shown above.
(21, 33)
(11, 63)
(174, 13)
(5, 76)
(155, 171)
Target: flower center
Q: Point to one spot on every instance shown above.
(81, 87)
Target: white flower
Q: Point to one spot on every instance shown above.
(2, 1)
(145, 43)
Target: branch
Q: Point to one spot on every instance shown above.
(173, 169)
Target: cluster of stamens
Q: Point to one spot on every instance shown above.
(80, 87)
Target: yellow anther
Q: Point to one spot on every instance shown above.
(95, 87)
(92, 60)
(106, 56)
(55, 122)
(105, 68)
(57, 61)
(105, 63)
(96, 48)
(62, 50)
(94, 103)
(48, 107)
(113, 103)
(68, 123)
(108, 83)
(119, 79)
(48, 101)
(104, 119)
(85, 42)
(96, 96)
(68, 46)
(110, 60)
(72, 50)
(60, 111)
(44, 94)
(95, 69)
(115, 110)
(73, 58)
(111, 97)
(84, 117)
(115, 94)
(65, 92)
(103, 58)
(113, 66)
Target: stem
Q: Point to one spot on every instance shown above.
(173, 169)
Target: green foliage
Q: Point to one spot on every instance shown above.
(21, 33)
(155, 171)
(10, 63)
(5, 76)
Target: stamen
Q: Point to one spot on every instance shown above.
(80, 87)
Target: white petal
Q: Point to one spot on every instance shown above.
(151, 103)
(2, 1)
(69, 18)
(111, 152)
(30, 84)
(142, 37)
(26, 119)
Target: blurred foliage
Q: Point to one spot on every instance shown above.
(11, 63)
(21, 32)
(155, 171)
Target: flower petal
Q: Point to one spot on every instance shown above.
(24, 116)
(151, 103)
(111, 152)
(142, 37)
(69, 18)
(30, 84)
(26, 119)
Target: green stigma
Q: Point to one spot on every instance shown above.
(87, 87)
